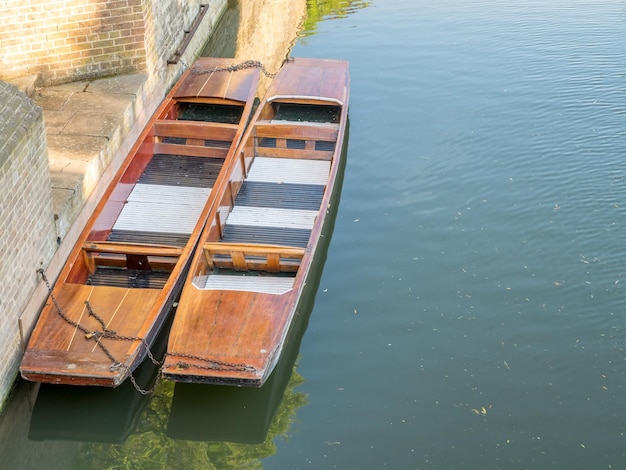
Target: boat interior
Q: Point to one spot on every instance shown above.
(153, 210)
(258, 233)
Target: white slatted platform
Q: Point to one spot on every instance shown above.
(289, 170)
(159, 208)
(271, 217)
(264, 284)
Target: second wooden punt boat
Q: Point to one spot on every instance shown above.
(120, 280)
(255, 254)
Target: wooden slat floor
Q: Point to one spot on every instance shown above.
(267, 284)
(289, 170)
(160, 208)
(277, 204)
(163, 208)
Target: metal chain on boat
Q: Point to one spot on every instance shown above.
(97, 335)
(105, 333)
(211, 364)
(248, 64)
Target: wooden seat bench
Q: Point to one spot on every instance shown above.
(253, 256)
(131, 255)
(287, 139)
(201, 139)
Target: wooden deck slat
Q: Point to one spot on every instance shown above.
(190, 150)
(135, 236)
(264, 284)
(281, 196)
(284, 170)
(195, 130)
(179, 170)
(271, 217)
(281, 236)
(156, 208)
(297, 130)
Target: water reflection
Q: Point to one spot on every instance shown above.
(243, 415)
(96, 414)
(320, 10)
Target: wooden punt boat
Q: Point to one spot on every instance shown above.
(245, 415)
(130, 262)
(255, 254)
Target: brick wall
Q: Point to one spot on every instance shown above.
(70, 40)
(26, 221)
(62, 41)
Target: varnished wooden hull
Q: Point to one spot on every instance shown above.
(128, 266)
(254, 257)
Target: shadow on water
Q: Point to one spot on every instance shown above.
(95, 414)
(244, 415)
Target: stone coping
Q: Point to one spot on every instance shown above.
(86, 123)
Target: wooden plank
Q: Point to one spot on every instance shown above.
(162, 208)
(190, 150)
(131, 249)
(252, 256)
(271, 217)
(277, 285)
(294, 153)
(281, 170)
(195, 130)
(301, 131)
(254, 249)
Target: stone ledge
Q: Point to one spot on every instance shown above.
(85, 125)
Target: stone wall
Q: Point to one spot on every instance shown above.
(27, 236)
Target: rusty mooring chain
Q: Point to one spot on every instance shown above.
(211, 364)
(248, 64)
(98, 335)
(104, 333)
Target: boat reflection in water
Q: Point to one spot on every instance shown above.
(95, 414)
(240, 414)
(243, 414)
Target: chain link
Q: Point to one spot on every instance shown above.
(248, 64)
(104, 333)
(98, 335)
(211, 364)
